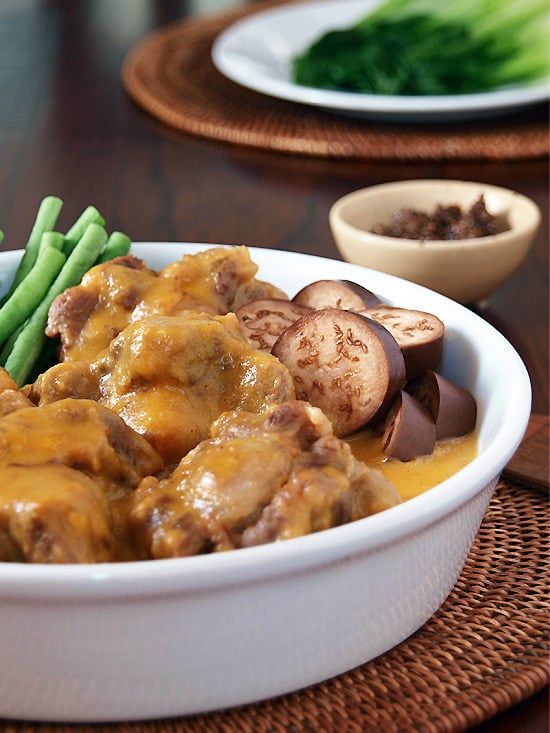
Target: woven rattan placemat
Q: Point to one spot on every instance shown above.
(170, 74)
(483, 651)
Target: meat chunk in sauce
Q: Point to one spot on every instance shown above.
(112, 295)
(66, 472)
(11, 398)
(169, 378)
(259, 478)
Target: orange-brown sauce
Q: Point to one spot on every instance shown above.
(415, 477)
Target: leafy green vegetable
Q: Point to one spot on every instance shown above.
(432, 47)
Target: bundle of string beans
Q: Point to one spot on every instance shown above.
(432, 47)
(50, 263)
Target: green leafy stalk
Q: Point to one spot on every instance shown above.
(432, 47)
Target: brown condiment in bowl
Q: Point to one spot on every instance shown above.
(444, 223)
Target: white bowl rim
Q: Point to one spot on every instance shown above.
(243, 566)
(527, 224)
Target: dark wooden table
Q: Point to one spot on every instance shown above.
(67, 128)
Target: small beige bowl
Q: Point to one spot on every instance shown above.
(467, 270)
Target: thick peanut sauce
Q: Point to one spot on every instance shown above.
(414, 477)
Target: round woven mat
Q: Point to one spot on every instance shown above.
(170, 74)
(483, 651)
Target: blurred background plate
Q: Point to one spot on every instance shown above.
(256, 52)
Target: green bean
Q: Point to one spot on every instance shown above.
(1, 236)
(29, 293)
(52, 239)
(8, 346)
(49, 239)
(30, 342)
(117, 245)
(45, 220)
(90, 215)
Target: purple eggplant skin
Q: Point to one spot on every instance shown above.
(336, 294)
(409, 429)
(452, 407)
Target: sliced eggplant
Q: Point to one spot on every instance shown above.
(420, 336)
(262, 321)
(336, 294)
(409, 429)
(343, 363)
(452, 407)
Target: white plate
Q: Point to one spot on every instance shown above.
(256, 53)
(138, 640)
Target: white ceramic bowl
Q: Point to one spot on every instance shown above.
(173, 637)
(467, 270)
